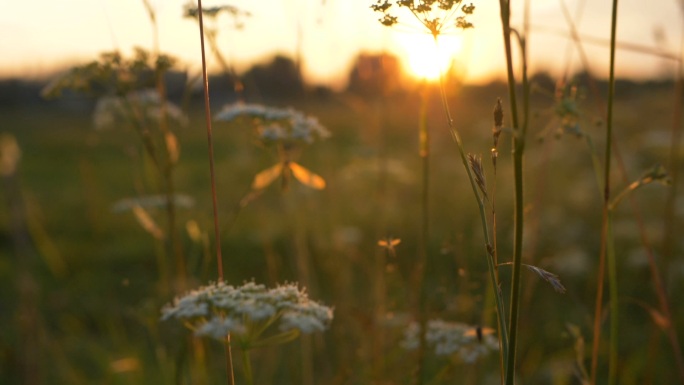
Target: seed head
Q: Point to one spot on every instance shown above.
(437, 16)
(475, 162)
(498, 121)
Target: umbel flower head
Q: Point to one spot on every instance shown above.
(437, 16)
(276, 125)
(144, 105)
(248, 312)
(191, 11)
(284, 129)
(449, 338)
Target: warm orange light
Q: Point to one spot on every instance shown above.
(427, 60)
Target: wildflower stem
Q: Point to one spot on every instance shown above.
(217, 233)
(247, 367)
(607, 238)
(500, 312)
(174, 246)
(424, 153)
(669, 225)
(655, 275)
(207, 112)
(228, 69)
(518, 151)
(614, 303)
(229, 361)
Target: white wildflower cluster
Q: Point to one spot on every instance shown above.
(448, 338)
(219, 309)
(113, 111)
(277, 125)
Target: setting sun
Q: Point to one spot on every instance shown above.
(426, 60)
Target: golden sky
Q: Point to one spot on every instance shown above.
(42, 35)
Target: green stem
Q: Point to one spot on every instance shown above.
(424, 152)
(229, 361)
(500, 312)
(247, 367)
(518, 151)
(612, 358)
(614, 304)
(174, 245)
(212, 174)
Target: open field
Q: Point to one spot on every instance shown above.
(80, 283)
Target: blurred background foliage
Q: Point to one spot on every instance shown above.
(79, 287)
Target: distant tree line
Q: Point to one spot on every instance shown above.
(371, 76)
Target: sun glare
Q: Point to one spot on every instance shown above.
(425, 60)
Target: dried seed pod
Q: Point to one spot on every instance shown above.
(498, 121)
(475, 162)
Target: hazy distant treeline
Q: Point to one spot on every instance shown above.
(371, 76)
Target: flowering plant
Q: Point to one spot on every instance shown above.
(448, 338)
(284, 129)
(144, 105)
(436, 16)
(247, 312)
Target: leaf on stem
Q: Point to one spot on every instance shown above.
(172, 147)
(306, 177)
(147, 222)
(266, 177)
(548, 277)
(545, 275)
(498, 122)
(475, 162)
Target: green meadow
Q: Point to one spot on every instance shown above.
(107, 220)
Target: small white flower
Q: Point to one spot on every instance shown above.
(272, 133)
(448, 338)
(186, 308)
(307, 317)
(111, 111)
(234, 111)
(274, 125)
(219, 328)
(472, 351)
(218, 309)
(254, 309)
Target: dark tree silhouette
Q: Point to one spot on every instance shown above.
(277, 80)
(375, 75)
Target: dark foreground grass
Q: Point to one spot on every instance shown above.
(81, 303)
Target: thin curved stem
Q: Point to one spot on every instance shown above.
(500, 312)
(207, 113)
(518, 151)
(217, 232)
(608, 241)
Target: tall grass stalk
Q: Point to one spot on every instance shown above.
(491, 265)
(607, 245)
(670, 224)
(669, 239)
(519, 133)
(298, 228)
(217, 233)
(166, 162)
(670, 215)
(424, 152)
(658, 284)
